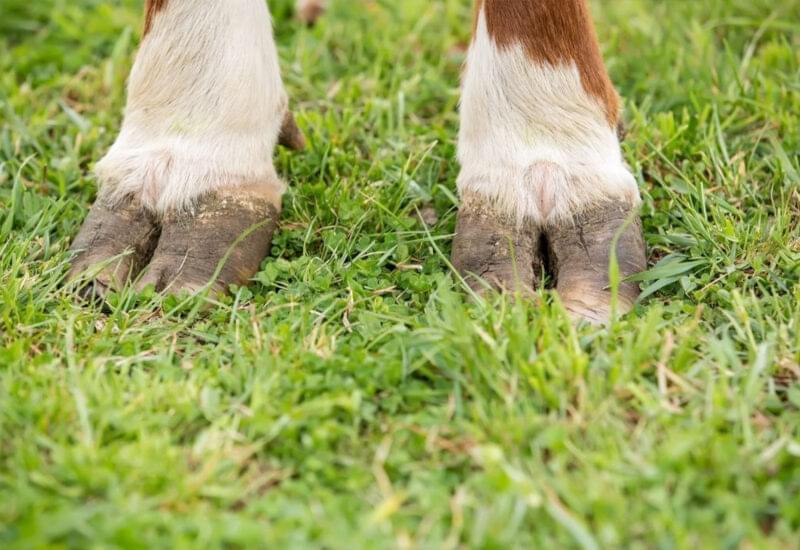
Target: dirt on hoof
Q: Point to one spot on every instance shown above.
(579, 258)
(233, 227)
(119, 237)
(492, 248)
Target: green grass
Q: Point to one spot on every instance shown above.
(354, 396)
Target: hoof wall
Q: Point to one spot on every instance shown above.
(493, 250)
(117, 241)
(221, 242)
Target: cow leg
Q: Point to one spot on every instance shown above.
(538, 148)
(189, 185)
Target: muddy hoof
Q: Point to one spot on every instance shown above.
(116, 239)
(221, 242)
(308, 11)
(492, 249)
(579, 254)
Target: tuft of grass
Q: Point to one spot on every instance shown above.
(354, 395)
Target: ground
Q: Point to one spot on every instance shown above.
(355, 395)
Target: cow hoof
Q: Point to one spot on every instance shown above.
(220, 242)
(116, 240)
(580, 258)
(492, 250)
(308, 11)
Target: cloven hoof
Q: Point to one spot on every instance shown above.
(493, 248)
(219, 242)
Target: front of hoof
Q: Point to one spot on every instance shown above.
(116, 240)
(220, 242)
(580, 260)
(494, 250)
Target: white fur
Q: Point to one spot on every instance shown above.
(205, 106)
(532, 140)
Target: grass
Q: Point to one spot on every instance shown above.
(354, 396)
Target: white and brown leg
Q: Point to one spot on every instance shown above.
(539, 151)
(189, 181)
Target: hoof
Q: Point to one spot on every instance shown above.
(220, 242)
(308, 11)
(116, 239)
(580, 259)
(492, 249)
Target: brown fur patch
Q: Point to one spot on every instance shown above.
(554, 31)
(152, 7)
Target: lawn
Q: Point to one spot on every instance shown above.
(355, 396)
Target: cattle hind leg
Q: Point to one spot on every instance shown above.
(542, 175)
(188, 193)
